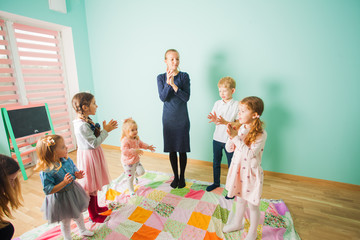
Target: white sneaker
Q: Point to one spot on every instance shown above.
(86, 233)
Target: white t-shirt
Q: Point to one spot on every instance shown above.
(229, 111)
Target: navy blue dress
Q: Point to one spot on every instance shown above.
(175, 118)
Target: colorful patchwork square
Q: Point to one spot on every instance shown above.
(143, 191)
(111, 194)
(210, 197)
(271, 209)
(216, 225)
(140, 215)
(224, 193)
(165, 187)
(188, 184)
(149, 175)
(234, 235)
(156, 221)
(125, 212)
(273, 233)
(180, 191)
(136, 200)
(225, 203)
(148, 204)
(264, 206)
(221, 213)
(102, 233)
(188, 203)
(181, 215)
(171, 199)
(116, 235)
(174, 227)
(199, 220)
(211, 236)
(156, 195)
(246, 230)
(191, 232)
(117, 218)
(281, 208)
(165, 236)
(161, 177)
(195, 194)
(164, 209)
(145, 233)
(218, 191)
(274, 221)
(197, 187)
(205, 208)
(154, 184)
(127, 228)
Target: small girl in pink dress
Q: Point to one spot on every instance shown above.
(90, 157)
(245, 176)
(131, 151)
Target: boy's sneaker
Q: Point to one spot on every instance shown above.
(212, 187)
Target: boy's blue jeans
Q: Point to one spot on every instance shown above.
(218, 148)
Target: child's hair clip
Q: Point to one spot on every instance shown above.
(49, 141)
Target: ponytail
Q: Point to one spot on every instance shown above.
(255, 130)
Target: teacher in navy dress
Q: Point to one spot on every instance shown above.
(174, 91)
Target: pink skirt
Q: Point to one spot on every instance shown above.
(92, 161)
(245, 182)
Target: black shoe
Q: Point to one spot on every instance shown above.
(174, 183)
(182, 183)
(212, 187)
(229, 198)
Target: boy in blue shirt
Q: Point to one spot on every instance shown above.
(224, 111)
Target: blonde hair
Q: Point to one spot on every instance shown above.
(11, 197)
(171, 50)
(45, 149)
(126, 126)
(254, 104)
(227, 82)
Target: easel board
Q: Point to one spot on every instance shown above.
(26, 121)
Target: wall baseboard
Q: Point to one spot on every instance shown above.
(268, 173)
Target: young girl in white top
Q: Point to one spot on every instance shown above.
(131, 146)
(65, 198)
(90, 157)
(245, 176)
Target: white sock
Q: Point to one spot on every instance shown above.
(65, 229)
(81, 225)
(254, 222)
(235, 220)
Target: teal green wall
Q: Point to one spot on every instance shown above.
(301, 57)
(75, 18)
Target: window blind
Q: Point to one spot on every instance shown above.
(32, 72)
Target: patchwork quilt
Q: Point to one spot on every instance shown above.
(159, 212)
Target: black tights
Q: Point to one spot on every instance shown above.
(174, 164)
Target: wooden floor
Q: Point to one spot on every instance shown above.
(320, 209)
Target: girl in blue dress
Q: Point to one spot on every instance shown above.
(174, 91)
(65, 199)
